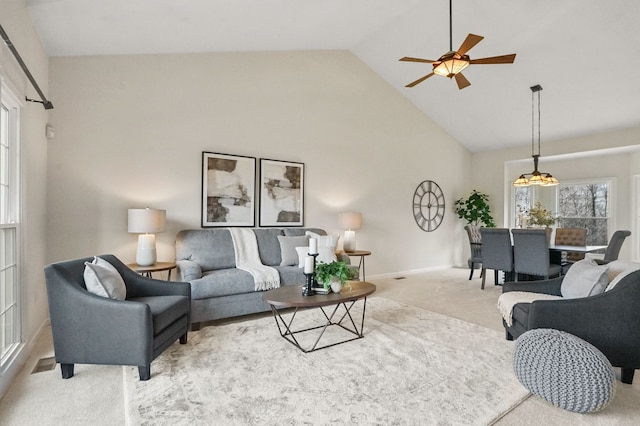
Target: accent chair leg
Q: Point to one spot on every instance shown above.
(183, 339)
(484, 275)
(473, 265)
(144, 372)
(495, 277)
(508, 336)
(196, 326)
(627, 375)
(67, 370)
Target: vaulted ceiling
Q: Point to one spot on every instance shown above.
(585, 55)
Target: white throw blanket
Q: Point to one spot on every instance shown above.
(508, 300)
(248, 259)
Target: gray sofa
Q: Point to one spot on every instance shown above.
(206, 259)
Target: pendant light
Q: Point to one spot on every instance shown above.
(537, 177)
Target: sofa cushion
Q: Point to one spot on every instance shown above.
(228, 282)
(268, 245)
(103, 279)
(584, 278)
(288, 246)
(210, 248)
(296, 232)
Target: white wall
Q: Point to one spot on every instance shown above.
(130, 131)
(17, 24)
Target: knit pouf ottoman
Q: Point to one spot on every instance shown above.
(564, 370)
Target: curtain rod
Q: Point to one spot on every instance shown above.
(46, 103)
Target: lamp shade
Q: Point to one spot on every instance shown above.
(146, 221)
(350, 220)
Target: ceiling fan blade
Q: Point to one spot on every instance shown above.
(420, 80)
(469, 42)
(409, 59)
(504, 59)
(462, 81)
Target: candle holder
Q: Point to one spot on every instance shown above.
(307, 290)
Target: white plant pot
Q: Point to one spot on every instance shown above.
(336, 285)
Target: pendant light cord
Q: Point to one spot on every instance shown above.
(450, 27)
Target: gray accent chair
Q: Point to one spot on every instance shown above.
(497, 252)
(613, 249)
(89, 329)
(610, 321)
(531, 254)
(475, 243)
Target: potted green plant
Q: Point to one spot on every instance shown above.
(475, 210)
(336, 272)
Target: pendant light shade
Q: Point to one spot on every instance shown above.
(536, 177)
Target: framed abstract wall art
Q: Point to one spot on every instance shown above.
(281, 193)
(228, 190)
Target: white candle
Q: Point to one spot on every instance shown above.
(308, 265)
(313, 246)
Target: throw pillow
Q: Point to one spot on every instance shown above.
(288, 246)
(326, 246)
(103, 279)
(618, 269)
(584, 278)
(303, 252)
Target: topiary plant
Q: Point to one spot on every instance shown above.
(475, 210)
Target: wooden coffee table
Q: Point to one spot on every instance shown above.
(291, 297)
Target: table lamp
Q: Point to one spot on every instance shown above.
(350, 221)
(146, 222)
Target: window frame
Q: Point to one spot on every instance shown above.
(14, 106)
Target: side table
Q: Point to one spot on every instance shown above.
(156, 267)
(361, 254)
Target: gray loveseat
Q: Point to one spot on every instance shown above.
(206, 259)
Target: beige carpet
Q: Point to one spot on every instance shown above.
(412, 367)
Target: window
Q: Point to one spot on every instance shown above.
(10, 316)
(586, 205)
(522, 196)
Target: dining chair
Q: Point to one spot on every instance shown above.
(497, 253)
(475, 242)
(531, 254)
(615, 244)
(572, 237)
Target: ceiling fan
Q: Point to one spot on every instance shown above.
(453, 62)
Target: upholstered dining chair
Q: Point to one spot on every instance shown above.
(475, 242)
(497, 252)
(91, 329)
(531, 254)
(615, 244)
(571, 237)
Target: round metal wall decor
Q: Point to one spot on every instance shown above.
(428, 206)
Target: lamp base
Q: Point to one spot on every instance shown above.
(349, 242)
(146, 253)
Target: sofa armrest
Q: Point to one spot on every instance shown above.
(343, 257)
(551, 286)
(189, 270)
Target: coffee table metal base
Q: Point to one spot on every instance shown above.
(286, 329)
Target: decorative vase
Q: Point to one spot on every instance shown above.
(336, 285)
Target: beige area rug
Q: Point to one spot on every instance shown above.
(412, 367)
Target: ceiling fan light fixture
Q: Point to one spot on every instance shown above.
(451, 64)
